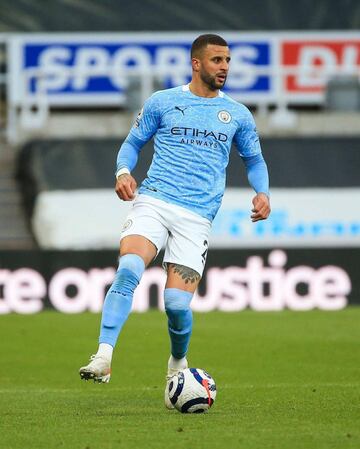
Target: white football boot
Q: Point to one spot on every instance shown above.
(171, 373)
(99, 370)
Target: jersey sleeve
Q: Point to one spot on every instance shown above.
(246, 138)
(257, 173)
(145, 126)
(148, 120)
(247, 143)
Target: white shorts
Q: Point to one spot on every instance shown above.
(184, 234)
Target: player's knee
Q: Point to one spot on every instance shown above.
(177, 307)
(128, 275)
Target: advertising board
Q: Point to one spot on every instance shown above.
(317, 59)
(262, 280)
(87, 69)
(302, 217)
(79, 69)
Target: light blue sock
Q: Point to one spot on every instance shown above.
(177, 307)
(118, 300)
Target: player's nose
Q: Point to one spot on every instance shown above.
(224, 66)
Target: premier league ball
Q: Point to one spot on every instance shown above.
(192, 390)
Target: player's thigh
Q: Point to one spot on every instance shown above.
(139, 245)
(144, 232)
(186, 251)
(182, 277)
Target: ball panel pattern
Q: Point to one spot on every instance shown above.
(192, 390)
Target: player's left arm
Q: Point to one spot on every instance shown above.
(258, 178)
(248, 145)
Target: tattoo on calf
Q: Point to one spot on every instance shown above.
(188, 275)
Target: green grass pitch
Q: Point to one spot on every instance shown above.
(285, 380)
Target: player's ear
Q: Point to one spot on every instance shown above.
(195, 63)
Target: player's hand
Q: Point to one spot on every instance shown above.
(261, 209)
(125, 187)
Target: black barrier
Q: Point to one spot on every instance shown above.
(76, 281)
(90, 163)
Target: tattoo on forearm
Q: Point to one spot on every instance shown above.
(187, 274)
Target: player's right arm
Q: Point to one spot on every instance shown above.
(145, 126)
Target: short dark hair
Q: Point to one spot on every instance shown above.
(206, 39)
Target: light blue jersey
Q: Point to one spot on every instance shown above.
(192, 141)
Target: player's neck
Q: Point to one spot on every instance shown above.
(201, 90)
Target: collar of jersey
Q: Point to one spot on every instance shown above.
(186, 88)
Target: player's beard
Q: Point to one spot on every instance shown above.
(210, 81)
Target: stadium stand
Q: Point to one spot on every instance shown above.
(14, 230)
(187, 15)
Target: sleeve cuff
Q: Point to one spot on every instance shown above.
(122, 171)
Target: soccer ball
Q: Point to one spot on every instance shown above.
(192, 390)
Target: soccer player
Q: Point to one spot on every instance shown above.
(193, 127)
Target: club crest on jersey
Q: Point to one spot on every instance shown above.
(138, 118)
(224, 116)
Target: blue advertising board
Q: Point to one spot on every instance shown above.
(83, 69)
